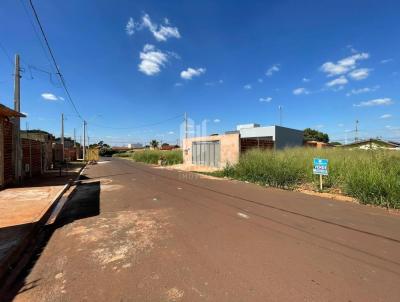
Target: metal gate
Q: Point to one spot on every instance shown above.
(206, 153)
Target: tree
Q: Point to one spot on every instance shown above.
(154, 144)
(336, 143)
(165, 145)
(315, 135)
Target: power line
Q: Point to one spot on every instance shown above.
(54, 61)
(31, 22)
(7, 54)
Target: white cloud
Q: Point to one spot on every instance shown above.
(171, 132)
(217, 120)
(160, 32)
(247, 87)
(344, 65)
(306, 80)
(359, 74)
(392, 128)
(363, 90)
(178, 84)
(61, 98)
(351, 48)
(300, 90)
(265, 100)
(340, 125)
(386, 61)
(131, 26)
(49, 96)
(274, 68)
(385, 116)
(219, 82)
(338, 81)
(189, 73)
(260, 80)
(152, 60)
(375, 102)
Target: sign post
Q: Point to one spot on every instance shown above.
(320, 167)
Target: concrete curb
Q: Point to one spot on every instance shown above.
(19, 257)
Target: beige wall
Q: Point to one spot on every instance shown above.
(229, 148)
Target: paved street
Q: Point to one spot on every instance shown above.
(150, 234)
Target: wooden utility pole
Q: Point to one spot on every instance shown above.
(17, 125)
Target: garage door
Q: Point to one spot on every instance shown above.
(206, 153)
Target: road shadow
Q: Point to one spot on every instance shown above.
(84, 203)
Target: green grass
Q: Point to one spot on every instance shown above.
(373, 177)
(172, 157)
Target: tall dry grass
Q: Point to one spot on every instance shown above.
(372, 177)
(172, 157)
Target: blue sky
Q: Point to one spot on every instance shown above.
(134, 63)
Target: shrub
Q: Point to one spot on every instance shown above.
(370, 176)
(172, 157)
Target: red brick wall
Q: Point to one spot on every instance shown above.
(8, 152)
(70, 153)
(36, 155)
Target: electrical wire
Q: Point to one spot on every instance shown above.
(7, 54)
(54, 61)
(31, 22)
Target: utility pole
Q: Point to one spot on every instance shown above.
(17, 125)
(84, 141)
(356, 133)
(62, 134)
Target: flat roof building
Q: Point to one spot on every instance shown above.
(223, 149)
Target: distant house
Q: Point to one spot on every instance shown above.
(46, 139)
(219, 150)
(318, 145)
(135, 146)
(121, 149)
(373, 144)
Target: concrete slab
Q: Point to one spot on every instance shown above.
(25, 205)
(23, 211)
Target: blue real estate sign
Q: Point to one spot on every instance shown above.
(320, 166)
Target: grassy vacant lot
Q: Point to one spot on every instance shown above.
(172, 157)
(373, 177)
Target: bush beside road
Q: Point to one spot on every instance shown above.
(172, 157)
(372, 177)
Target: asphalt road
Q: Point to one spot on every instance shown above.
(149, 234)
